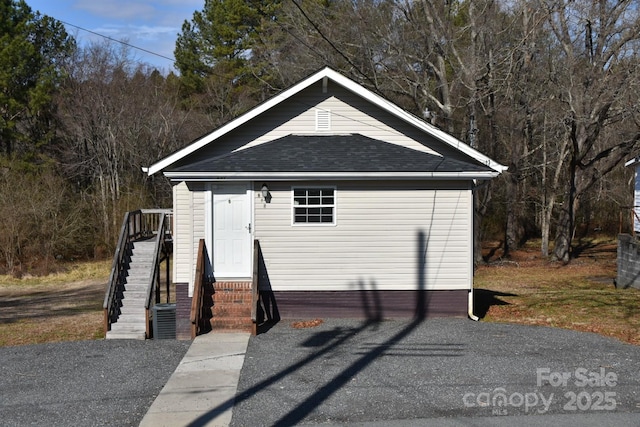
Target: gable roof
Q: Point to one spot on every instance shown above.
(337, 156)
(327, 73)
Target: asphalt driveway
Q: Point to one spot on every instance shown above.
(405, 373)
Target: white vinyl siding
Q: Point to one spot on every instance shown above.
(388, 236)
(348, 114)
(189, 217)
(182, 234)
(198, 212)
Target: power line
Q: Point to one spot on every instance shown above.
(119, 41)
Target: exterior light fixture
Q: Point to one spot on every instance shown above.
(266, 195)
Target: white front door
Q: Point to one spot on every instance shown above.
(231, 231)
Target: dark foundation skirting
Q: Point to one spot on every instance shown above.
(366, 304)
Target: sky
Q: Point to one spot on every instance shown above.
(152, 25)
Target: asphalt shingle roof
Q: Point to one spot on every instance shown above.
(330, 153)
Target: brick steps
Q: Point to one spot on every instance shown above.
(231, 306)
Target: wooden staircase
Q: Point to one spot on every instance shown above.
(132, 320)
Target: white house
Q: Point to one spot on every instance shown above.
(360, 208)
(635, 162)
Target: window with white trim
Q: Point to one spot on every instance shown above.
(314, 206)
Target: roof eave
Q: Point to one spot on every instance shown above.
(349, 85)
(325, 176)
(233, 124)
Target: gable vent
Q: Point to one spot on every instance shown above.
(323, 120)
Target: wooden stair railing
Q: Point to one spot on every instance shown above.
(153, 288)
(255, 296)
(198, 291)
(135, 225)
(131, 229)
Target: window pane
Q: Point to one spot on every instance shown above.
(307, 202)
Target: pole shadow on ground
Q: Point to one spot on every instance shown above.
(339, 337)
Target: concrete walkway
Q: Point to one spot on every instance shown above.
(201, 390)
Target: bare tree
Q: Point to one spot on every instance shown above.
(596, 80)
(118, 116)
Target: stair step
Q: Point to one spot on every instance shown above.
(132, 309)
(125, 335)
(132, 312)
(141, 244)
(132, 306)
(130, 321)
(134, 291)
(144, 251)
(140, 266)
(127, 327)
(134, 294)
(138, 280)
(136, 286)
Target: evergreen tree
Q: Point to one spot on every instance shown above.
(31, 48)
(220, 39)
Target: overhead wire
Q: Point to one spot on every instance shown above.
(118, 41)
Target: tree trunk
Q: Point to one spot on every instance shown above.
(511, 238)
(481, 198)
(545, 225)
(566, 220)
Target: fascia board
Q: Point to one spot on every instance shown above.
(296, 176)
(349, 85)
(413, 120)
(277, 99)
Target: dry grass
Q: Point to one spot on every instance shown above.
(529, 289)
(60, 307)
(525, 289)
(75, 272)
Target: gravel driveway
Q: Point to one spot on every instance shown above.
(449, 372)
(346, 371)
(86, 383)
